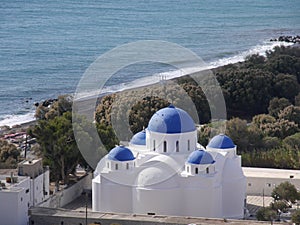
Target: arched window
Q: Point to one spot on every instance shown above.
(188, 169)
(108, 165)
(189, 145)
(116, 167)
(154, 145)
(177, 146)
(165, 146)
(196, 170)
(127, 166)
(207, 170)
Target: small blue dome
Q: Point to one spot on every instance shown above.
(200, 157)
(120, 153)
(139, 138)
(221, 141)
(171, 120)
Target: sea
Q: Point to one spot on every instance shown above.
(46, 46)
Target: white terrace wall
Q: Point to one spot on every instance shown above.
(65, 196)
(264, 186)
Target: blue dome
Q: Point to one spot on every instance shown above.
(171, 120)
(120, 153)
(200, 157)
(139, 138)
(221, 141)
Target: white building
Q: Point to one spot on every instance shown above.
(164, 171)
(14, 199)
(262, 181)
(39, 179)
(19, 193)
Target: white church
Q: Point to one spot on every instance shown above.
(163, 171)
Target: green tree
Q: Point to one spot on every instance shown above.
(236, 129)
(284, 64)
(103, 110)
(204, 134)
(255, 61)
(276, 105)
(244, 136)
(255, 137)
(279, 206)
(266, 214)
(284, 60)
(290, 113)
(9, 154)
(247, 90)
(58, 146)
(271, 142)
(285, 191)
(286, 86)
(142, 111)
(297, 99)
(199, 99)
(293, 141)
(262, 120)
(49, 110)
(296, 217)
(280, 128)
(107, 135)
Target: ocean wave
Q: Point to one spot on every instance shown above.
(260, 49)
(157, 77)
(12, 120)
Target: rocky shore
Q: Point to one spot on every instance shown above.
(46, 102)
(288, 39)
(50, 101)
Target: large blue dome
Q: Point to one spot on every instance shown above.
(139, 138)
(171, 120)
(200, 157)
(221, 141)
(120, 153)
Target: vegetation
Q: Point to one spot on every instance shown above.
(249, 86)
(54, 134)
(9, 155)
(262, 99)
(141, 113)
(286, 192)
(296, 217)
(284, 195)
(266, 214)
(276, 105)
(58, 146)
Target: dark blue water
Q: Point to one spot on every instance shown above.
(45, 46)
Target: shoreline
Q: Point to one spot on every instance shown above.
(14, 122)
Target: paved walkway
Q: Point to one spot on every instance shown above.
(256, 202)
(80, 203)
(253, 203)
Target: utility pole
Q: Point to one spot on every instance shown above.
(86, 206)
(25, 153)
(263, 197)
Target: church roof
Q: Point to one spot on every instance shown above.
(120, 153)
(221, 141)
(200, 157)
(171, 120)
(139, 138)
